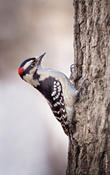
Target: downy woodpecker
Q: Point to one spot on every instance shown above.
(55, 87)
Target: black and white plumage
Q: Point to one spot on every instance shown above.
(55, 87)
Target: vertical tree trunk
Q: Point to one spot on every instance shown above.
(89, 147)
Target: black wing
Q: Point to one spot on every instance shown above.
(51, 88)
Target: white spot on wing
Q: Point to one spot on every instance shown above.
(55, 82)
(62, 109)
(59, 88)
(56, 104)
(58, 83)
(55, 88)
(53, 93)
(57, 96)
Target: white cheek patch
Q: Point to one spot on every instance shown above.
(27, 64)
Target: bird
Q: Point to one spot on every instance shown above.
(54, 85)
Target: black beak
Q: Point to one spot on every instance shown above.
(40, 57)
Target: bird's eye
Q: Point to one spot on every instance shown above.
(32, 64)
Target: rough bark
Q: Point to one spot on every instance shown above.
(89, 147)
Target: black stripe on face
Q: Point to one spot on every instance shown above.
(29, 59)
(27, 70)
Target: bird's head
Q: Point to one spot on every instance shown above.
(29, 67)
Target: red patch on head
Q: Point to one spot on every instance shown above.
(20, 71)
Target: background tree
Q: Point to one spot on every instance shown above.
(89, 148)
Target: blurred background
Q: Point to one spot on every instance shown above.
(32, 141)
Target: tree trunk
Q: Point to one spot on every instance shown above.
(89, 146)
